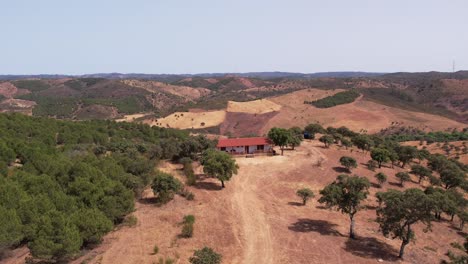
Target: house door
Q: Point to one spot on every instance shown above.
(247, 149)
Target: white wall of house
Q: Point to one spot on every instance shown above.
(251, 149)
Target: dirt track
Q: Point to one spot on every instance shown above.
(255, 228)
(251, 197)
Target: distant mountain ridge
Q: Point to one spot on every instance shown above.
(261, 75)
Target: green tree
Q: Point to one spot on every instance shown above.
(56, 237)
(406, 154)
(165, 186)
(313, 129)
(346, 143)
(420, 171)
(280, 136)
(403, 177)
(327, 140)
(423, 154)
(92, 224)
(348, 162)
(305, 194)
(362, 142)
(463, 216)
(452, 177)
(10, 228)
(219, 164)
(399, 211)
(380, 155)
(346, 195)
(296, 137)
(205, 255)
(381, 178)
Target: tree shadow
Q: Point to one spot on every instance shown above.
(148, 200)
(341, 170)
(321, 207)
(456, 227)
(376, 185)
(322, 227)
(369, 247)
(395, 184)
(210, 186)
(295, 204)
(371, 207)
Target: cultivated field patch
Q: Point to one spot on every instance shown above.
(261, 106)
(189, 120)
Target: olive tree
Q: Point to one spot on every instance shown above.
(346, 194)
(380, 155)
(280, 136)
(403, 177)
(327, 140)
(420, 171)
(305, 194)
(348, 162)
(399, 211)
(219, 165)
(381, 178)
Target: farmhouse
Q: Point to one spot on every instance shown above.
(245, 145)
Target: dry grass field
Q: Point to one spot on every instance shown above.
(189, 120)
(261, 106)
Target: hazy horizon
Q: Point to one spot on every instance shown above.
(175, 37)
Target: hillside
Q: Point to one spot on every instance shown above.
(113, 97)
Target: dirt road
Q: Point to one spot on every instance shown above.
(251, 196)
(255, 228)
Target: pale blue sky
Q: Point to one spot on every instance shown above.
(175, 36)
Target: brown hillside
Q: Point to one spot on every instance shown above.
(360, 115)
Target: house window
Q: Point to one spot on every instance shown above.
(223, 148)
(260, 147)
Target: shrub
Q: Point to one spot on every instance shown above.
(155, 249)
(381, 178)
(189, 219)
(187, 194)
(205, 255)
(187, 231)
(187, 226)
(130, 221)
(164, 186)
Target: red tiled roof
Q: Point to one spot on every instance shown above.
(234, 142)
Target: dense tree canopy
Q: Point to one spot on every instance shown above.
(69, 182)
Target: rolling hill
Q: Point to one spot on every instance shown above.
(114, 95)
